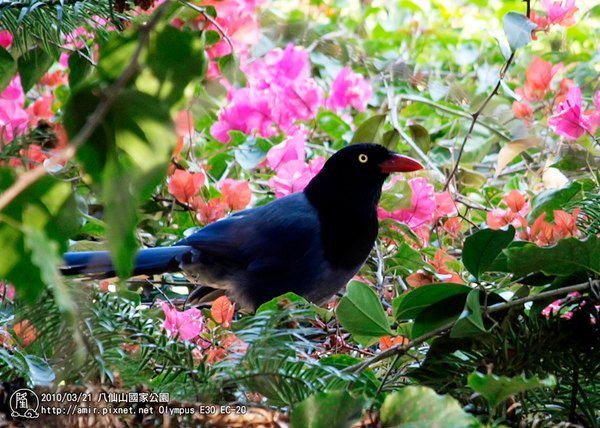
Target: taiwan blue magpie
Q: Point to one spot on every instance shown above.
(311, 243)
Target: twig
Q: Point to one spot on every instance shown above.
(93, 121)
(402, 349)
(212, 20)
(455, 112)
(393, 106)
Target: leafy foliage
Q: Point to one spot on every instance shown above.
(478, 306)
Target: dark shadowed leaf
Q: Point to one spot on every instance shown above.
(8, 68)
(556, 199)
(420, 135)
(32, 66)
(470, 322)
(482, 248)
(419, 299)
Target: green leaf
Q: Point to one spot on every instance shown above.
(555, 199)
(497, 389)
(32, 66)
(116, 53)
(419, 299)
(482, 248)
(421, 407)
(517, 28)
(470, 322)
(370, 131)
(397, 197)
(361, 313)
(332, 124)
(326, 410)
(8, 68)
(438, 315)
(407, 260)
(229, 65)
(390, 139)
(420, 136)
(175, 57)
(278, 302)
(79, 69)
(567, 257)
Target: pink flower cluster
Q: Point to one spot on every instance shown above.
(427, 206)
(185, 325)
(13, 117)
(281, 92)
(569, 121)
(288, 161)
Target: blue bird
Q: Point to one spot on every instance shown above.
(311, 243)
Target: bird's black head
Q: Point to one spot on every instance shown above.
(358, 172)
(346, 192)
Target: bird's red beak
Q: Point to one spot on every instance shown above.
(400, 163)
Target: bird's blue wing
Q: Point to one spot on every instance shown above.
(260, 237)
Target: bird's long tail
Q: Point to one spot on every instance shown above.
(148, 261)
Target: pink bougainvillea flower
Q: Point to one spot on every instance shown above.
(515, 214)
(280, 93)
(293, 148)
(236, 194)
(293, 176)
(6, 39)
(349, 89)
(560, 12)
(422, 208)
(13, 117)
(568, 121)
(185, 185)
(538, 79)
(185, 325)
(7, 291)
(250, 110)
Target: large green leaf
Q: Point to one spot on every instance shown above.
(361, 313)
(175, 57)
(470, 322)
(370, 131)
(482, 248)
(327, 410)
(555, 199)
(32, 66)
(438, 315)
(567, 257)
(397, 197)
(8, 68)
(496, 389)
(421, 407)
(412, 304)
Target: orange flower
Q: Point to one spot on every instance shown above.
(522, 110)
(26, 332)
(515, 214)
(185, 185)
(208, 212)
(387, 342)
(236, 194)
(538, 78)
(222, 311)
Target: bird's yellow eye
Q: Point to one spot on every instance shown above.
(362, 158)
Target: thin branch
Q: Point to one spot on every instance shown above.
(93, 121)
(402, 349)
(393, 106)
(452, 111)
